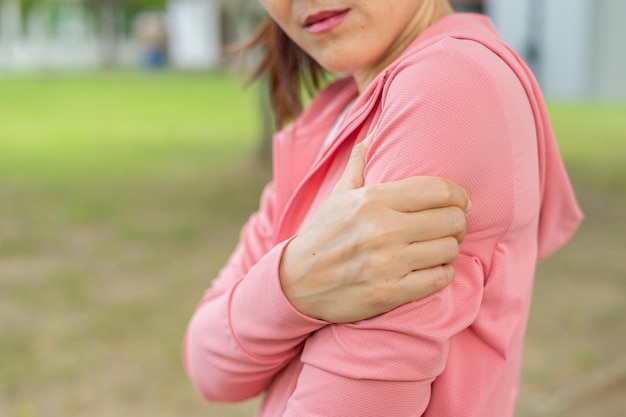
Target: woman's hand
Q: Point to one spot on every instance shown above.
(371, 249)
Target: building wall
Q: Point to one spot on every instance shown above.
(194, 33)
(512, 19)
(577, 48)
(566, 47)
(608, 50)
(58, 35)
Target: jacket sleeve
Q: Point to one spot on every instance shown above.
(449, 114)
(244, 329)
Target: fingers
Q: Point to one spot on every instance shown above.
(352, 177)
(424, 255)
(419, 284)
(432, 224)
(392, 227)
(414, 257)
(397, 262)
(421, 193)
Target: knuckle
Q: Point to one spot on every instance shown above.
(367, 199)
(457, 220)
(443, 276)
(439, 278)
(369, 193)
(451, 248)
(357, 202)
(442, 191)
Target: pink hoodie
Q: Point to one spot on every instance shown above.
(457, 104)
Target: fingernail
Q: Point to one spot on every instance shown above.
(469, 205)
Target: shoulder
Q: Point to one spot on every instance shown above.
(461, 69)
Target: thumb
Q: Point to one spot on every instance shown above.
(352, 177)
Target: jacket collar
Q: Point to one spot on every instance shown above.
(299, 164)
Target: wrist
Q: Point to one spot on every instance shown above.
(290, 274)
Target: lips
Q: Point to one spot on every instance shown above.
(323, 21)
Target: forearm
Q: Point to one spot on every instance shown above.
(237, 341)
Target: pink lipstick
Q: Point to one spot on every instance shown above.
(324, 21)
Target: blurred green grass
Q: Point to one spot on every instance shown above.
(58, 129)
(121, 195)
(592, 139)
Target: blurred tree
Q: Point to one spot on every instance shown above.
(27, 5)
(107, 12)
(240, 19)
(148, 3)
(113, 17)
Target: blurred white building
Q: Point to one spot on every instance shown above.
(577, 48)
(194, 33)
(58, 34)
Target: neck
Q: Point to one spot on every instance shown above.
(430, 12)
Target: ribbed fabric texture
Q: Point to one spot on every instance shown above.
(457, 104)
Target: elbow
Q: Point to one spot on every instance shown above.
(211, 382)
(217, 390)
(220, 392)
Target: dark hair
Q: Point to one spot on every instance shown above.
(290, 71)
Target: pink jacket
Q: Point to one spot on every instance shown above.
(457, 104)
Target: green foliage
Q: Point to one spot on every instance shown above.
(148, 3)
(133, 7)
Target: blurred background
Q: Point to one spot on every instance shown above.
(130, 156)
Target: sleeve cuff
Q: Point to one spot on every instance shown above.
(263, 320)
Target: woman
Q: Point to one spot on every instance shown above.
(329, 304)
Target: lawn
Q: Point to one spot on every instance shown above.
(122, 194)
